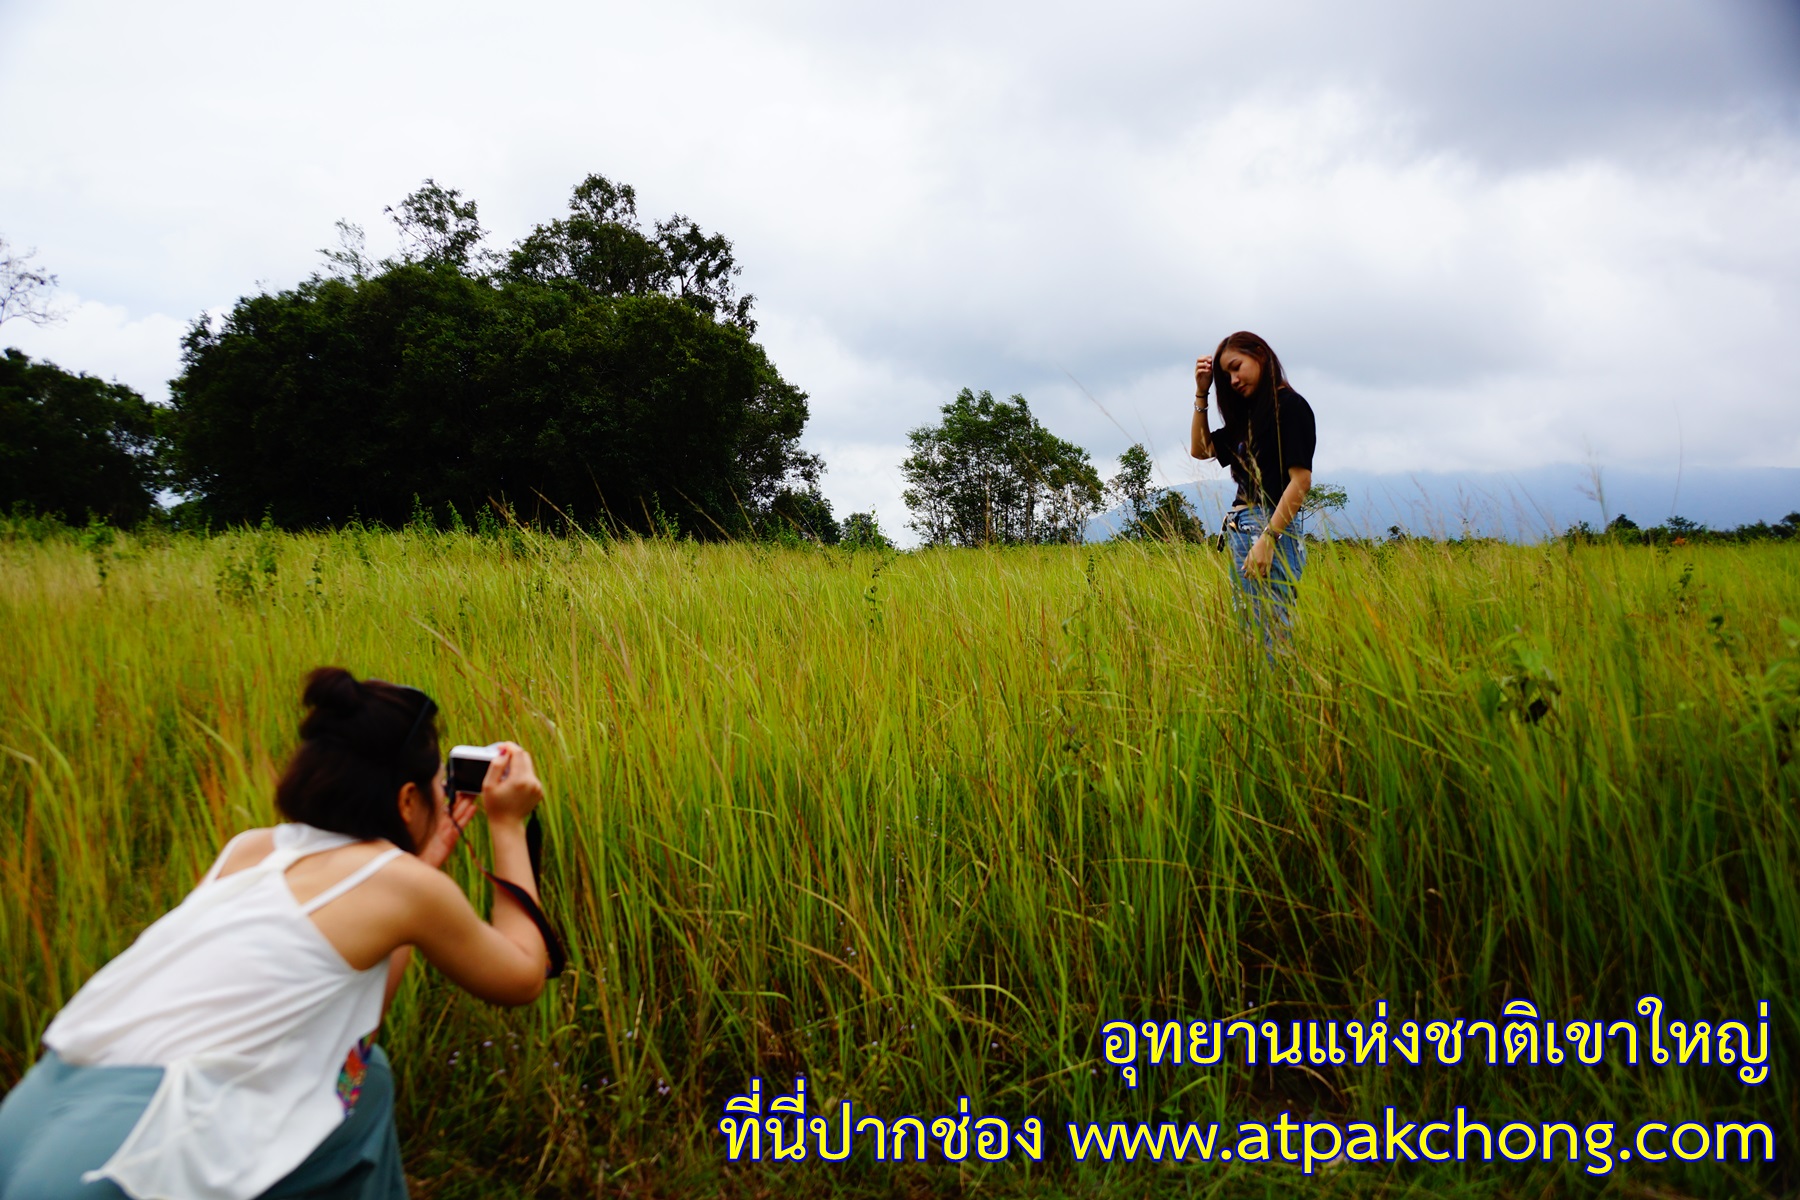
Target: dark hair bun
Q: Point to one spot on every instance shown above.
(333, 690)
(360, 741)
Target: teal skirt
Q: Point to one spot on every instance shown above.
(63, 1120)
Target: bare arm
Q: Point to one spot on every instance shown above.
(504, 961)
(434, 854)
(512, 862)
(499, 963)
(1262, 551)
(398, 961)
(1199, 435)
(1292, 497)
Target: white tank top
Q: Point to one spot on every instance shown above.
(249, 1010)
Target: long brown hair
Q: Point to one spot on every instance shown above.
(1234, 409)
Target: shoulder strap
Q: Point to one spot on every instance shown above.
(534, 847)
(351, 880)
(552, 944)
(219, 863)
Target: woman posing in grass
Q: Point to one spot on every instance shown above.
(227, 1053)
(1267, 444)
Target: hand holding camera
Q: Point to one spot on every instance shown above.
(503, 776)
(506, 781)
(444, 835)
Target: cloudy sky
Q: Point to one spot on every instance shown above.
(1482, 236)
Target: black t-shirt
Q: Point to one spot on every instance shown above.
(1265, 448)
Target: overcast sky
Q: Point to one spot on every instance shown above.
(1481, 236)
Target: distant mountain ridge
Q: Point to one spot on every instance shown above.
(1527, 506)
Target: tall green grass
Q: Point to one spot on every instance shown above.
(915, 826)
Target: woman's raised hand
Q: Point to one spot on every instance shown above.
(511, 789)
(1203, 369)
(436, 850)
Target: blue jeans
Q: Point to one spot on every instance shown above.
(1266, 602)
(62, 1120)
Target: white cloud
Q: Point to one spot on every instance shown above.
(94, 338)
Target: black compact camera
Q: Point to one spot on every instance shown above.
(469, 767)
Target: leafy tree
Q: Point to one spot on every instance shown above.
(437, 227)
(1324, 498)
(602, 247)
(1170, 519)
(25, 289)
(428, 375)
(803, 514)
(861, 531)
(1581, 532)
(1151, 513)
(1164, 514)
(990, 473)
(74, 444)
(349, 259)
(1132, 484)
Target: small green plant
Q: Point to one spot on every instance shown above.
(1680, 598)
(422, 523)
(25, 524)
(512, 537)
(267, 550)
(98, 539)
(1725, 639)
(663, 527)
(1524, 688)
(872, 595)
(358, 534)
(235, 581)
(250, 564)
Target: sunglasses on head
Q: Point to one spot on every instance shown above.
(427, 709)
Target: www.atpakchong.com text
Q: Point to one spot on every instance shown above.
(1599, 1146)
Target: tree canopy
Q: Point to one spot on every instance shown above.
(596, 367)
(74, 444)
(1151, 513)
(602, 247)
(990, 473)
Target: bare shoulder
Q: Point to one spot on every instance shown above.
(408, 870)
(420, 882)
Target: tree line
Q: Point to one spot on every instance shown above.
(599, 369)
(598, 372)
(1681, 531)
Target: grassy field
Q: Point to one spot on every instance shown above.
(914, 827)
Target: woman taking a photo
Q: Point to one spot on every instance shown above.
(1267, 444)
(227, 1053)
